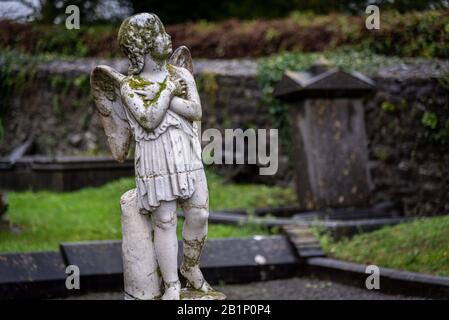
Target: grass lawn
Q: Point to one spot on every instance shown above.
(48, 218)
(420, 246)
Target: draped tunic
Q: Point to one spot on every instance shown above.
(166, 160)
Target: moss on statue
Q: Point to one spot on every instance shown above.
(192, 294)
(138, 83)
(162, 87)
(196, 244)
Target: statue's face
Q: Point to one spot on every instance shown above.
(162, 45)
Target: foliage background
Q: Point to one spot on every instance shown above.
(50, 11)
(413, 34)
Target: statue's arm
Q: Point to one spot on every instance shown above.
(189, 107)
(149, 116)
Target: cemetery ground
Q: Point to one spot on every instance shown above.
(421, 245)
(300, 288)
(45, 219)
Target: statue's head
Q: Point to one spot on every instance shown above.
(143, 34)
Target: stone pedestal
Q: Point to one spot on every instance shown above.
(142, 280)
(330, 146)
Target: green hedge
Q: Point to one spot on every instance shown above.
(414, 34)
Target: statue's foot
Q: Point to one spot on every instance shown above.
(172, 290)
(195, 279)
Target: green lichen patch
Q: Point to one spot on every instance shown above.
(138, 83)
(171, 69)
(162, 87)
(191, 294)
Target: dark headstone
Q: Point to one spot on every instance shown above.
(94, 257)
(329, 136)
(239, 260)
(99, 262)
(32, 275)
(233, 260)
(61, 173)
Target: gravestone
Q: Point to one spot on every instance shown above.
(330, 146)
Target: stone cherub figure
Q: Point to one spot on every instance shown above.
(157, 104)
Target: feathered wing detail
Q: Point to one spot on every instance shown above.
(182, 58)
(105, 86)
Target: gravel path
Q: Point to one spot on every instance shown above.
(286, 289)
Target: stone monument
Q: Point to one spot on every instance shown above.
(157, 104)
(330, 145)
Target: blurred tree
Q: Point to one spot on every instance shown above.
(53, 11)
(176, 12)
(180, 11)
(173, 11)
(352, 6)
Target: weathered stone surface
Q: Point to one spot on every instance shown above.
(303, 239)
(187, 294)
(233, 260)
(330, 147)
(140, 269)
(243, 251)
(94, 257)
(405, 163)
(32, 275)
(331, 154)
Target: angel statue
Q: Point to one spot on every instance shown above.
(158, 105)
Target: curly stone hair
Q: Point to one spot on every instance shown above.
(135, 38)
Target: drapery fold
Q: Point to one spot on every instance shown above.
(166, 161)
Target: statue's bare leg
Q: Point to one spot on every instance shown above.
(166, 247)
(196, 212)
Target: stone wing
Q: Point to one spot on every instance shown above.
(182, 58)
(105, 87)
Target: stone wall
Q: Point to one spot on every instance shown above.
(407, 155)
(58, 112)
